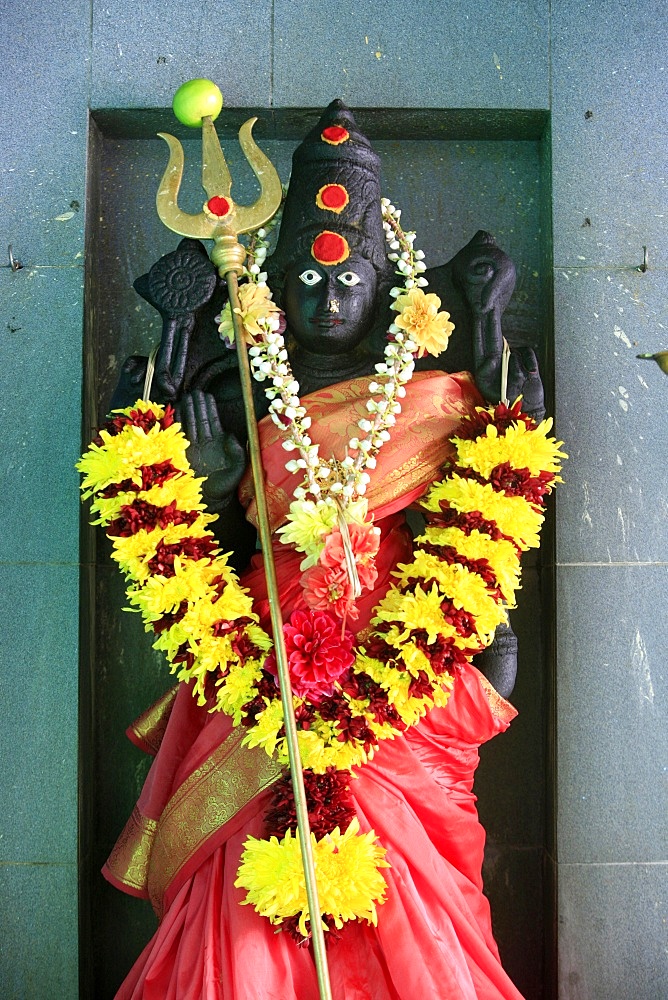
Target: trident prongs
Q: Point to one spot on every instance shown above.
(271, 190)
(221, 219)
(216, 179)
(198, 226)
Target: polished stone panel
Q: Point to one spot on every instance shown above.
(41, 311)
(609, 132)
(423, 54)
(610, 409)
(38, 932)
(510, 780)
(514, 880)
(143, 52)
(38, 692)
(612, 714)
(612, 932)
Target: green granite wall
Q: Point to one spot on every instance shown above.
(599, 72)
(609, 137)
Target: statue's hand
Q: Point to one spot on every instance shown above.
(485, 273)
(498, 662)
(524, 380)
(213, 452)
(486, 276)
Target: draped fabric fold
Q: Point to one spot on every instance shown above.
(205, 793)
(406, 464)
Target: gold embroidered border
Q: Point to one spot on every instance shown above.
(129, 860)
(149, 729)
(501, 709)
(209, 798)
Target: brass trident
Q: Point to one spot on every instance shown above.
(222, 220)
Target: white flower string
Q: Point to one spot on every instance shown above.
(333, 490)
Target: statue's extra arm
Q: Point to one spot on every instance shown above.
(485, 274)
(218, 456)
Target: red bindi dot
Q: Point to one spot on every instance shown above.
(218, 206)
(332, 197)
(330, 248)
(335, 134)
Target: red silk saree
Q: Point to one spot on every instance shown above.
(206, 793)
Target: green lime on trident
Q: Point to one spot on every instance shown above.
(195, 100)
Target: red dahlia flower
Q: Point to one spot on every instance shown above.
(317, 654)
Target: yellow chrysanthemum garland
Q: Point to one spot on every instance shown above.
(442, 610)
(350, 882)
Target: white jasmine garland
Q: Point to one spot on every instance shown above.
(330, 486)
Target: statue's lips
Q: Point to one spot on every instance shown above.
(325, 322)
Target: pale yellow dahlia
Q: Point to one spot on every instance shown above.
(255, 305)
(419, 316)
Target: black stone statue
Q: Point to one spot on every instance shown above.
(337, 316)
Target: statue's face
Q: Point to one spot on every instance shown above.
(330, 310)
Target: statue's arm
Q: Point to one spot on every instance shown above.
(180, 285)
(482, 277)
(218, 456)
(486, 275)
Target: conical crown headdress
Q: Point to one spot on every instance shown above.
(332, 208)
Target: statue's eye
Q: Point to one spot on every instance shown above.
(310, 277)
(349, 278)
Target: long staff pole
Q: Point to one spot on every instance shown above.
(296, 771)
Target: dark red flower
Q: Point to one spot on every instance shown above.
(146, 419)
(141, 514)
(420, 686)
(171, 618)
(328, 800)
(242, 646)
(245, 648)
(291, 926)
(168, 418)
(355, 729)
(304, 715)
(502, 417)
(317, 653)
(462, 621)
(219, 584)
(184, 654)
(520, 483)
(162, 563)
(251, 711)
(443, 655)
(113, 489)
(156, 475)
(449, 517)
(451, 555)
(361, 687)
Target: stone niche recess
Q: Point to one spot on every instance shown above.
(452, 173)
